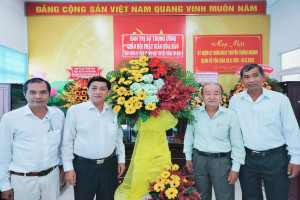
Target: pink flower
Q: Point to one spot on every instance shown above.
(53, 92)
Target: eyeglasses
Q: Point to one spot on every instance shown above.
(51, 127)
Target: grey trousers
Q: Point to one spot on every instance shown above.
(214, 172)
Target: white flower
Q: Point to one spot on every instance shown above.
(151, 99)
(150, 89)
(159, 83)
(147, 78)
(136, 87)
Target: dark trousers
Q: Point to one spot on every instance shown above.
(96, 179)
(214, 172)
(271, 169)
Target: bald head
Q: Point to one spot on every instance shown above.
(216, 84)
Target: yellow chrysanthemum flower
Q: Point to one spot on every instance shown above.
(175, 167)
(150, 107)
(143, 58)
(128, 82)
(108, 102)
(121, 80)
(116, 108)
(166, 167)
(144, 70)
(159, 187)
(130, 110)
(133, 99)
(113, 79)
(165, 174)
(138, 105)
(133, 62)
(264, 84)
(129, 93)
(175, 177)
(148, 179)
(171, 193)
(128, 103)
(135, 67)
(174, 183)
(125, 69)
(121, 100)
(130, 77)
(115, 88)
(184, 180)
(138, 77)
(133, 72)
(159, 179)
(141, 95)
(268, 87)
(121, 91)
(143, 64)
(165, 181)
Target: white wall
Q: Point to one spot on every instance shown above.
(285, 30)
(13, 26)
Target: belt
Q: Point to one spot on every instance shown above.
(213, 155)
(96, 161)
(266, 152)
(41, 173)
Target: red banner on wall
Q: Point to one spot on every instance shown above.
(146, 8)
(76, 72)
(226, 53)
(158, 45)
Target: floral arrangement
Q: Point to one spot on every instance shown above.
(172, 184)
(142, 87)
(269, 83)
(73, 93)
(197, 99)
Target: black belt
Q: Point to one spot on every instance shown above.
(96, 161)
(41, 173)
(266, 152)
(213, 155)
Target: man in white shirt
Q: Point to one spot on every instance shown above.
(30, 139)
(269, 129)
(93, 151)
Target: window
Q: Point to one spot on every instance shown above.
(290, 66)
(13, 66)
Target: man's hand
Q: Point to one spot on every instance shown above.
(8, 195)
(232, 177)
(293, 170)
(62, 180)
(189, 166)
(70, 177)
(121, 169)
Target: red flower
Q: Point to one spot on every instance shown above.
(276, 89)
(272, 83)
(173, 67)
(156, 76)
(154, 62)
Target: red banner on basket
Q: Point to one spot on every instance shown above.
(267, 70)
(76, 72)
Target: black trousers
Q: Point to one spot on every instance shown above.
(272, 170)
(96, 179)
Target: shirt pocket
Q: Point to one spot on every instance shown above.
(54, 137)
(221, 131)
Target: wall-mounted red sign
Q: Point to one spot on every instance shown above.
(146, 8)
(76, 72)
(158, 45)
(226, 53)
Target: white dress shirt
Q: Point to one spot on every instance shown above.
(267, 123)
(29, 144)
(91, 134)
(222, 133)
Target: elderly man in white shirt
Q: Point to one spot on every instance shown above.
(270, 130)
(93, 151)
(30, 139)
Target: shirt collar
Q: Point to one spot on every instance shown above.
(27, 110)
(220, 109)
(92, 106)
(265, 93)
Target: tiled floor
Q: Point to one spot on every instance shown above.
(68, 194)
